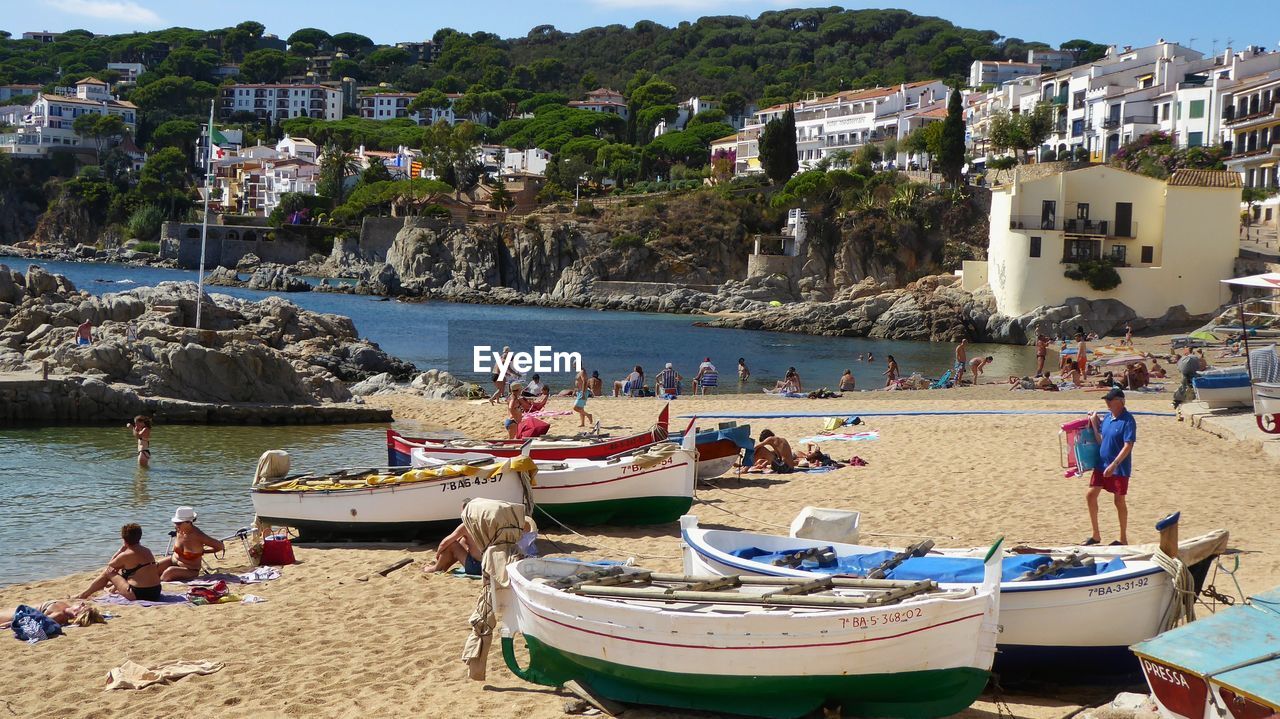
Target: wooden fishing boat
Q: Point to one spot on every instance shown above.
(400, 448)
(1078, 610)
(718, 448)
(383, 504)
(1225, 387)
(1224, 666)
(653, 485)
(758, 646)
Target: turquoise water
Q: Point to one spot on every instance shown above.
(68, 489)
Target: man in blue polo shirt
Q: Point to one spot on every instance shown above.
(1116, 433)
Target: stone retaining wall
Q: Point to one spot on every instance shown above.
(610, 288)
(765, 265)
(87, 400)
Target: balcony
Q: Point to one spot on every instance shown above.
(1243, 121)
(1111, 123)
(317, 104)
(1071, 226)
(1142, 119)
(1059, 100)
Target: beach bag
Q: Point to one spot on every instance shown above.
(1088, 453)
(277, 550)
(831, 424)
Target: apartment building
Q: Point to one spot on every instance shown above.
(998, 72)
(48, 124)
(394, 105)
(276, 102)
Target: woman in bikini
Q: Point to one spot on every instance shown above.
(190, 544)
(141, 427)
(132, 571)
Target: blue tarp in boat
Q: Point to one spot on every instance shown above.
(739, 435)
(960, 570)
(1226, 380)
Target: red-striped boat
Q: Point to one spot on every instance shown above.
(400, 448)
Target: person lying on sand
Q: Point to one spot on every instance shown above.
(131, 572)
(1156, 370)
(773, 453)
(59, 610)
(457, 548)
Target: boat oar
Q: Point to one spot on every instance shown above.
(919, 549)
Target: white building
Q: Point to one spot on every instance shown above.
(394, 105)
(687, 109)
(44, 36)
(603, 100)
(285, 176)
(998, 72)
(129, 71)
(527, 162)
(48, 125)
(849, 119)
(276, 102)
(297, 148)
(8, 92)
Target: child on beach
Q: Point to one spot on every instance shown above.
(141, 427)
(743, 372)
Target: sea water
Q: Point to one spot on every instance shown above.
(67, 490)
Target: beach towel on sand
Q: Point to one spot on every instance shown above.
(165, 600)
(132, 675)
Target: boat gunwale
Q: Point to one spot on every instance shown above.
(1039, 585)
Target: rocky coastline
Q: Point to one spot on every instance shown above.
(253, 362)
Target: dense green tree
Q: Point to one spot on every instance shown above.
(376, 172)
(450, 153)
(351, 43)
(313, 36)
(1023, 132)
(336, 165)
(386, 57)
(778, 148)
(99, 128)
(951, 144)
(269, 66)
(181, 134)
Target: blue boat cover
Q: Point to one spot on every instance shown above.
(1243, 634)
(1221, 381)
(959, 570)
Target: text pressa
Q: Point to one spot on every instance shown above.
(543, 359)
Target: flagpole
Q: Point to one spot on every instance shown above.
(204, 228)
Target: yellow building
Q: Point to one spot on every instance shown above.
(1171, 241)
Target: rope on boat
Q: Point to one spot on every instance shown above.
(1183, 606)
(598, 546)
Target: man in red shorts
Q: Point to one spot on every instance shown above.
(1116, 433)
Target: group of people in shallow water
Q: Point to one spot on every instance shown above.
(134, 573)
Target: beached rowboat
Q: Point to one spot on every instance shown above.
(718, 448)
(400, 448)
(1081, 618)
(650, 486)
(1225, 666)
(755, 646)
(381, 504)
(1225, 387)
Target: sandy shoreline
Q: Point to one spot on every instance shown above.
(327, 645)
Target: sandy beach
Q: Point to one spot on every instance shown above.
(328, 645)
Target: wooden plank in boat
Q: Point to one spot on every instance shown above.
(773, 599)
(919, 549)
(840, 582)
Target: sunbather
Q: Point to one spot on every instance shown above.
(131, 572)
(457, 548)
(190, 544)
(847, 382)
(59, 610)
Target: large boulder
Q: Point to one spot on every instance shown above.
(39, 282)
(438, 384)
(275, 278)
(377, 384)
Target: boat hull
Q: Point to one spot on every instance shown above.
(619, 493)
(911, 695)
(916, 660)
(389, 512)
(1085, 625)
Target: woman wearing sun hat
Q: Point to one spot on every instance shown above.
(189, 547)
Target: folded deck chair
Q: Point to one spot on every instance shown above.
(942, 381)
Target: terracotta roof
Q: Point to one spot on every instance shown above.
(91, 81)
(1205, 178)
(726, 138)
(95, 103)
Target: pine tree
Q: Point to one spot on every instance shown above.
(778, 148)
(950, 157)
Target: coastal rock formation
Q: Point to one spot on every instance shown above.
(223, 277)
(262, 352)
(432, 384)
(277, 278)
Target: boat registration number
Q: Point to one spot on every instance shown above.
(879, 620)
(465, 482)
(1118, 587)
(635, 468)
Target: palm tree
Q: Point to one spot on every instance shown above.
(336, 165)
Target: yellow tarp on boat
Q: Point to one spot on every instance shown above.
(374, 479)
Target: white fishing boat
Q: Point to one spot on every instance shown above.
(1225, 387)
(759, 646)
(1082, 615)
(377, 503)
(653, 485)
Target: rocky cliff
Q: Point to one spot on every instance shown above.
(261, 352)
